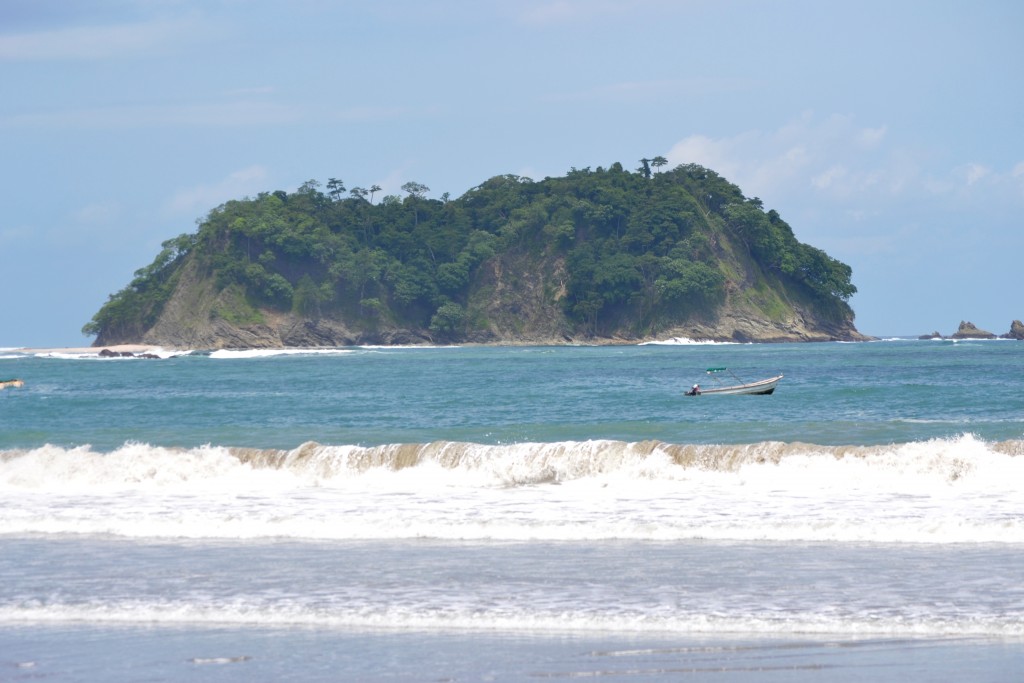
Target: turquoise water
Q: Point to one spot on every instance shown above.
(508, 514)
(833, 394)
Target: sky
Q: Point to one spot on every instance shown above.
(888, 133)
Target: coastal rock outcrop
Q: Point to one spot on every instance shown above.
(107, 353)
(1016, 331)
(968, 330)
(933, 335)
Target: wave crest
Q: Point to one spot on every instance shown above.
(958, 460)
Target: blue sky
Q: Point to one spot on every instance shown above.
(888, 133)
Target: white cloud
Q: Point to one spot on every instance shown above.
(236, 113)
(251, 91)
(978, 181)
(18, 233)
(97, 225)
(724, 156)
(561, 12)
(200, 199)
(831, 176)
(97, 214)
(651, 90)
(975, 172)
(367, 113)
(1017, 179)
(98, 42)
(547, 13)
(830, 156)
(872, 137)
(834, 160)
(391, 184)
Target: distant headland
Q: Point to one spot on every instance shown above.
(598, 256)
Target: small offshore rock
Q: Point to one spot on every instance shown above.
(1016, 331)
(968, 330)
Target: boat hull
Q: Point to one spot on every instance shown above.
(761, 387)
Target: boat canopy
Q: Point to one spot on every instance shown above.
(717, 369)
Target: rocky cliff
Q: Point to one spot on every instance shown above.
(522, 305)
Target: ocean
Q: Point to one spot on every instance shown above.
(514, 514)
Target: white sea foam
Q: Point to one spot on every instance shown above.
(960, 490)
(408, 347)
(61, 355)
(220, 660)
(683, 341)
(94, 354)
(513, 616)
(241, 354)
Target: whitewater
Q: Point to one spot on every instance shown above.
(958, 490)
(513, 513)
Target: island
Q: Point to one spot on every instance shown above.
(595, 256)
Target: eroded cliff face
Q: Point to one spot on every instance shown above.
(288, 330)
(197, 316)
(515, 300)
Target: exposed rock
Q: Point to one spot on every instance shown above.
(107, 353)
(933, 335)
(520, 298)
(968, 330)
(1016, 331)
(735, 324)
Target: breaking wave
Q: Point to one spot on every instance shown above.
(956, 490)
(964, 461)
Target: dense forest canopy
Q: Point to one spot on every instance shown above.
(642, 249)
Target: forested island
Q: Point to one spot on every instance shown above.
(597, 256)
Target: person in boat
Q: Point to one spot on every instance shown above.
(695, 391)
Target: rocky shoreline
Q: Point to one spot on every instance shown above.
(969, 330)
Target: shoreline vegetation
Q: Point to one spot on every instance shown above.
(601, 256)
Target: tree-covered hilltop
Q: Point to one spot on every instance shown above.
(596, 254)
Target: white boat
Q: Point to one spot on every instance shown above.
(763, 386)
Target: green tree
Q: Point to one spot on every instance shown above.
(335, 187)
(415, 189)
(448, 319)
